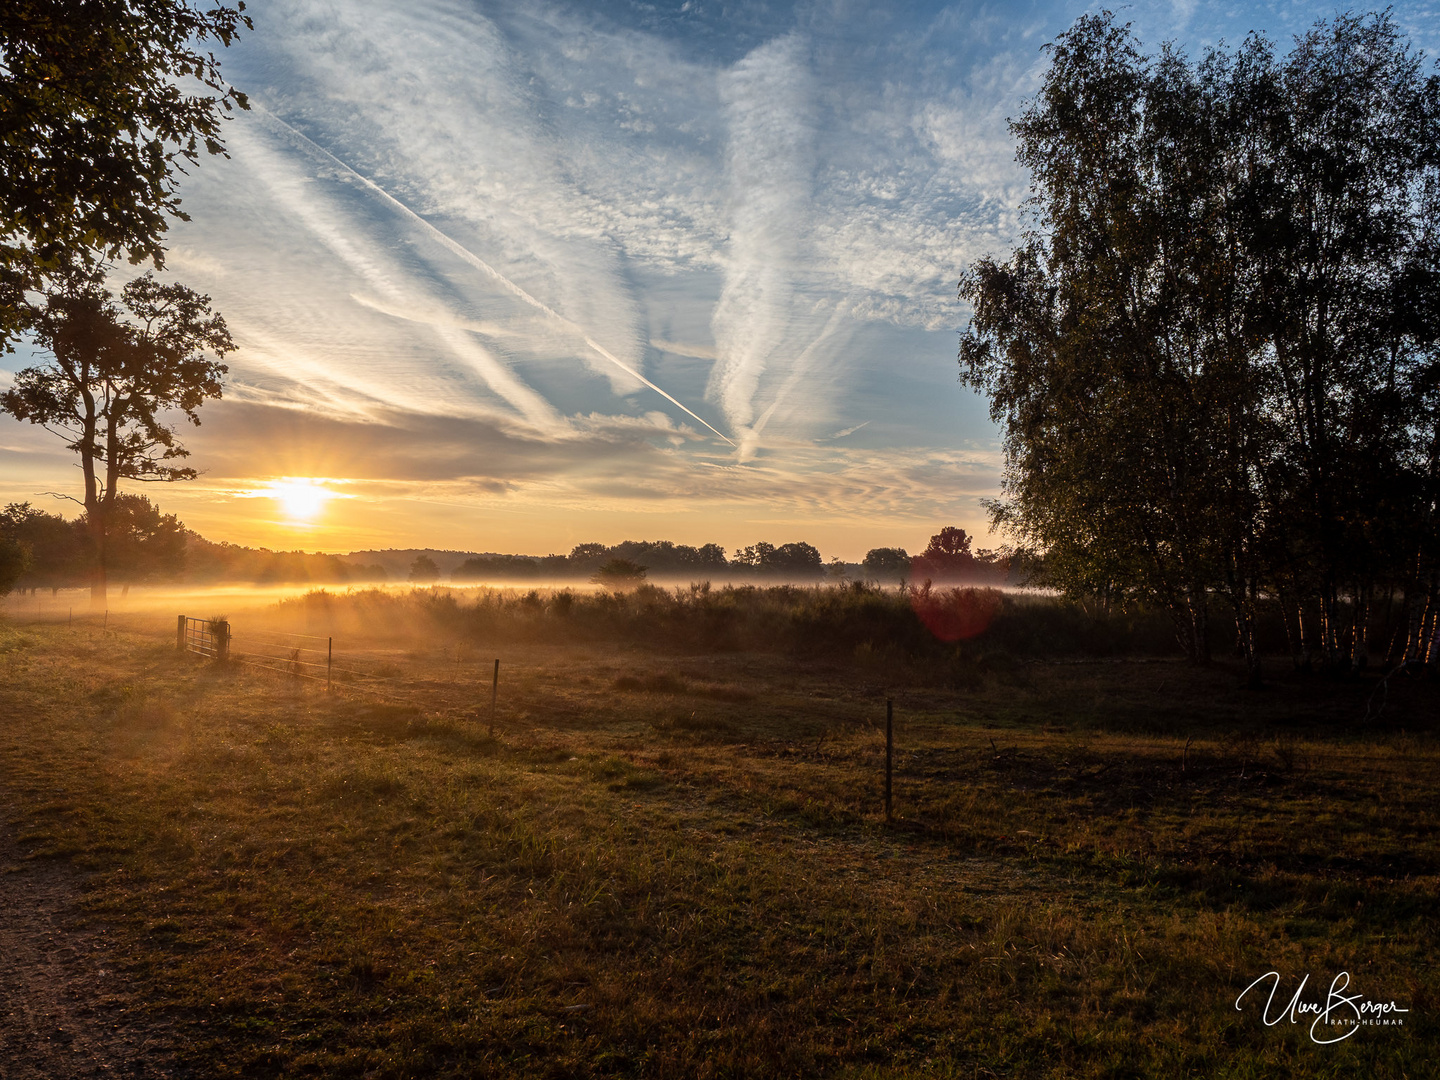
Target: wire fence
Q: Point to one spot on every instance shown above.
(300, 656)
(306, 658)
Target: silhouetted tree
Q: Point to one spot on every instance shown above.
(620, 572)
(947, 556)
(423, 569)
(1213, 353)
(799, 559)
(756, 556)
(142, 544)
(59, 550)
(498, 567)
(14, 557)
(112, 377)
(887, 564)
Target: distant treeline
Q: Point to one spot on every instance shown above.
(948, 558)
(40, 550)
(661, 558)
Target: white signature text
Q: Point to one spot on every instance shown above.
(1339, 1010)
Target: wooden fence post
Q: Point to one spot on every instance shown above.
(889, 751)
(221, 631)
(329, 659)
(494, 693)
(180, 632)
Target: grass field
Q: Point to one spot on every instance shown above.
(676, 864)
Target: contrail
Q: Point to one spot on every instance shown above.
(480, 264)
(847, 431)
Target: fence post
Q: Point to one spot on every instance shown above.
(221, 631)
(889, 751)
(180, 632)
(494, 693)
(329, 659)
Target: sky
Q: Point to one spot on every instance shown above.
(516, 276)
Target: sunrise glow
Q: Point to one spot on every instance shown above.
(301, 500)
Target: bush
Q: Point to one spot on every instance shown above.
(816, 621)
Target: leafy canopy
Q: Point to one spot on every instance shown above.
(97, 118)
(1214, 355)
(115, 375)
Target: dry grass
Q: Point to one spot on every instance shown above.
(677, 866)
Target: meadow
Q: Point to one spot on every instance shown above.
(671, 858)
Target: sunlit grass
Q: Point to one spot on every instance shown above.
(678, 866)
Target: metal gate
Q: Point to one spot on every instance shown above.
(206, 637)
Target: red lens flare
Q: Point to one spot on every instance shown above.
(955, 614)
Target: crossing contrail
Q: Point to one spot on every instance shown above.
(485, 268)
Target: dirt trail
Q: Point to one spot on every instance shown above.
(64, 1012)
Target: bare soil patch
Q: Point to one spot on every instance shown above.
(64, 1010)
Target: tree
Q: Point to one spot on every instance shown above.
(798, 558)
(95, 123)
(142, 544)
(58, 550)
(1339, 188)
(490, 568)
(887, 564)
(14, 555)
(756, 556)
(619, 573)
(588, 556)
(1207, 238)
(946, 556)
(423, 569)
(111, 379)
(1093, 342)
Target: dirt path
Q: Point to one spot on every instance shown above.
(64, 1013)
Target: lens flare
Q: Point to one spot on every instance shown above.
(956, 614)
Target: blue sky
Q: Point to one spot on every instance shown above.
(514, 276)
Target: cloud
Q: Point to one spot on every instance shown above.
(636, 462)
(681, 348)
(528, 218)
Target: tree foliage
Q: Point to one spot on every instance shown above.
(143, 546)
(15, 558)
(620, 572)
(97, 118)
(423, 570)
(115, 375)
(887, 564)
(798, 558)
(1215, 353)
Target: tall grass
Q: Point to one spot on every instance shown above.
(827, 621)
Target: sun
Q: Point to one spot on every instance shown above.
(301, 500)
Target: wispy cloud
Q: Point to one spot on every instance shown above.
(560, 251)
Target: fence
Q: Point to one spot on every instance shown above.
(206, 637)
(301, 656)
